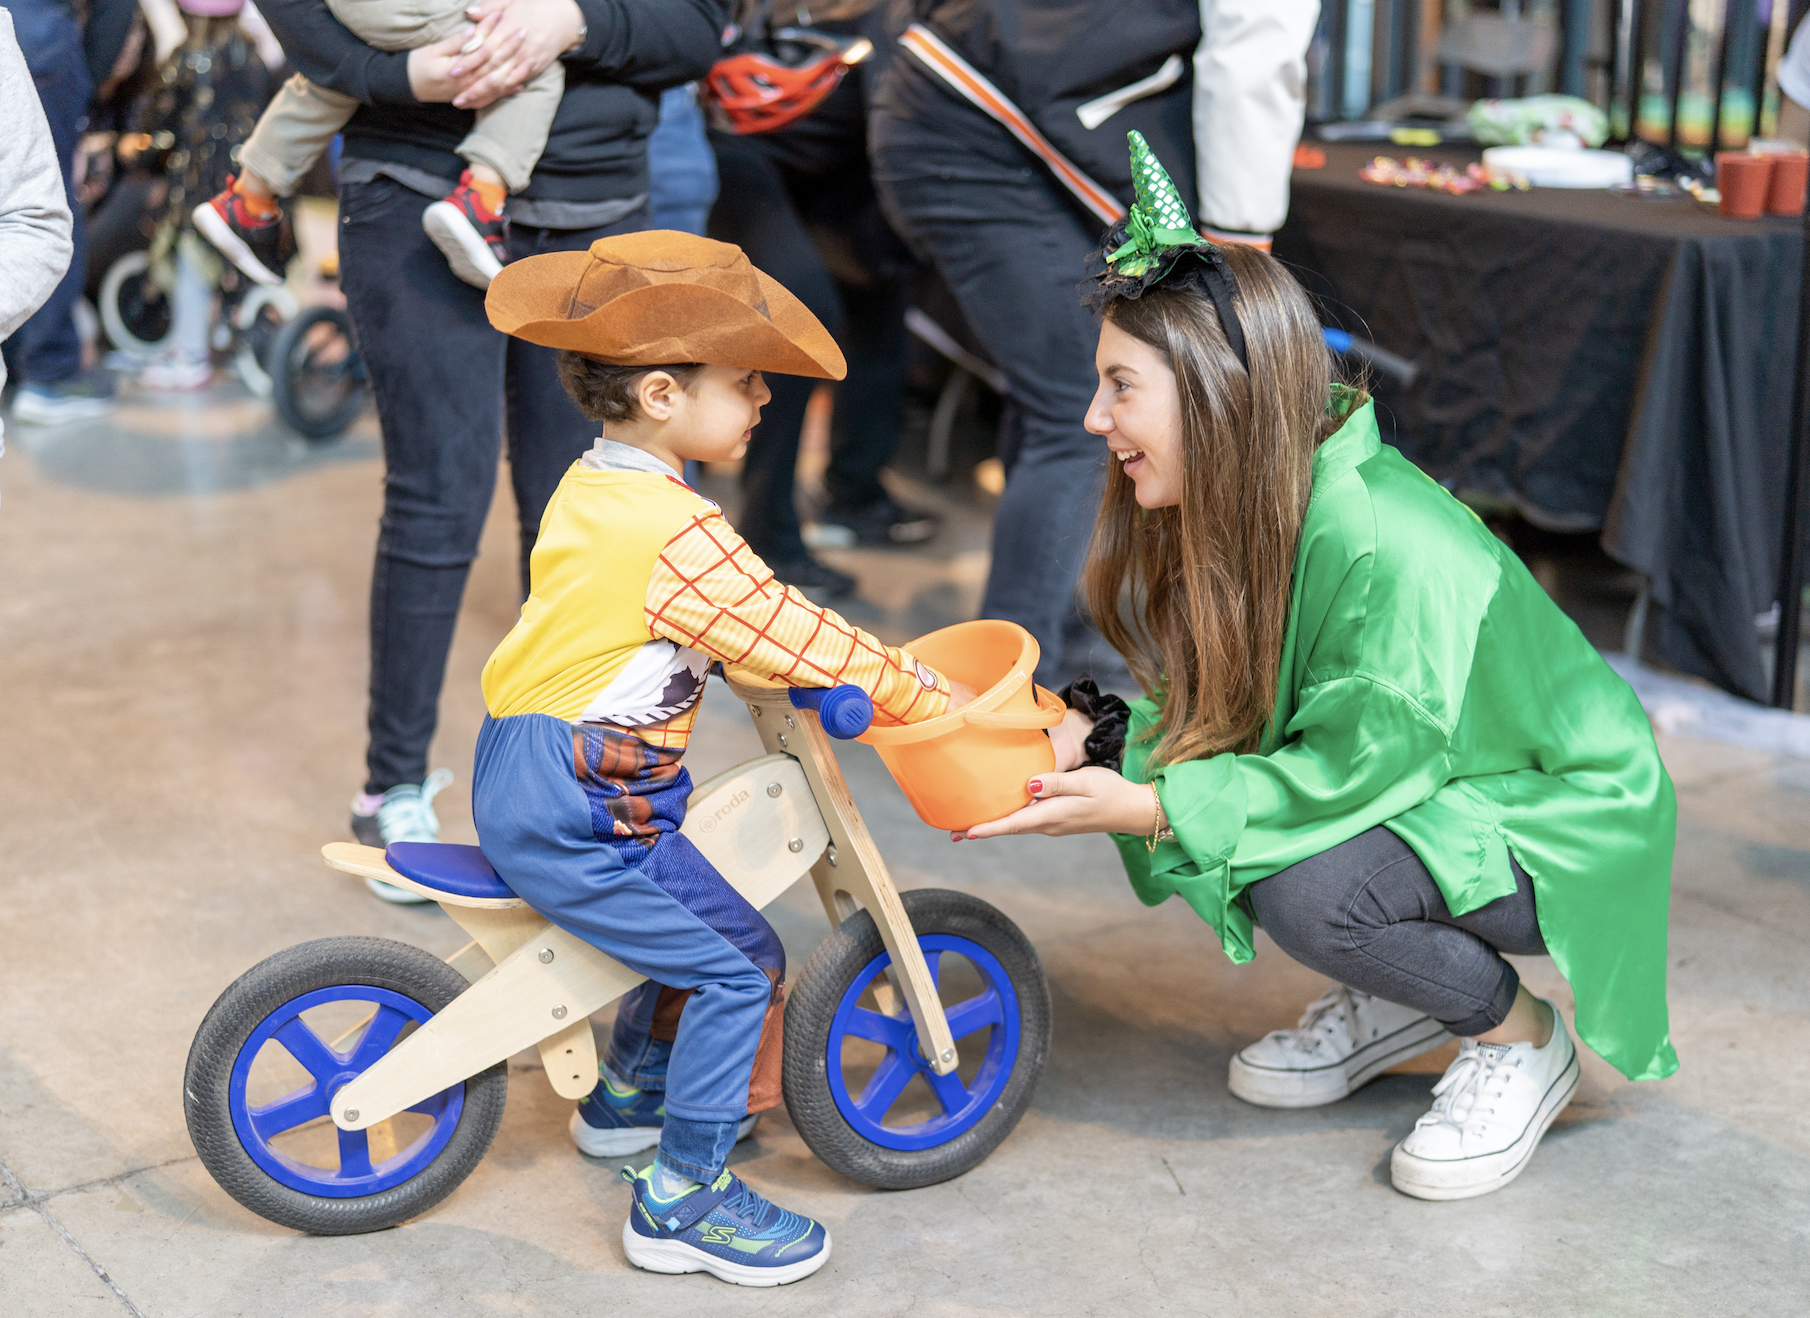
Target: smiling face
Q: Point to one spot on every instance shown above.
(1138, 412)
(708, 418)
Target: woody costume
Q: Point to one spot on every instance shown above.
(639, 584)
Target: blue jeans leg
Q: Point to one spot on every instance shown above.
(46, 349)
(1013, 250)
(445, 382)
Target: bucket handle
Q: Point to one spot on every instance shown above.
(1048, 714)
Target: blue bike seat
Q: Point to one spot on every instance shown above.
(448, 867)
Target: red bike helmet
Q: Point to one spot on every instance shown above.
(760, 91)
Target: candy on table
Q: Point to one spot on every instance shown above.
(1441, 177)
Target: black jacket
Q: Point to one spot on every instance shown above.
(597, 151)
(1050, 56)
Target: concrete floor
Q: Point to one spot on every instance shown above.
(182, 659)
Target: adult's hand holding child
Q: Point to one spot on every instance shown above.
(543, 29)
(511, 41)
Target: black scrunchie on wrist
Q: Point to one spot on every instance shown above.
(1105, 745)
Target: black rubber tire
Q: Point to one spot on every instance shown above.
(290, 358)
(811, 1003)
(324, 963)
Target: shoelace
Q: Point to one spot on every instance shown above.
(769, 1219)
(409, 816)
(1322, 1015)
(1476, 1075)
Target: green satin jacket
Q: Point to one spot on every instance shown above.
(1428, 684)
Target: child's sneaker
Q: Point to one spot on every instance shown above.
(248, 240)
(405, 813)
(474, 238)
(723, 1228)
(613, 1122)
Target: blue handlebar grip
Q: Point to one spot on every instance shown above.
(845, 711)
(1337, 339)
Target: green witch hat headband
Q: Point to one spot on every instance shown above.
(1156, 243)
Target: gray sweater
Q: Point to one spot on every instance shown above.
(34, 215)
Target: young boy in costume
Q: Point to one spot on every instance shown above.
(638, 583)
(468, 225)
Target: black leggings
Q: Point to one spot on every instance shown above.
(1367, 913)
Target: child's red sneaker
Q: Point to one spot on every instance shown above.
(247, 239)
(474, 238)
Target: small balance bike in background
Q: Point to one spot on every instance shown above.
(349, 1084)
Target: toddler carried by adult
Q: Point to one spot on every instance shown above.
(469, 225)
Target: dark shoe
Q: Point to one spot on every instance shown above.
(248, 241)
(816, 580)
(474, 238)
(883, 522)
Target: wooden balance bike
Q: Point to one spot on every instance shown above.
(348, 1084)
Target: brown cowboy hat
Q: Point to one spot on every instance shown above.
(659, 298)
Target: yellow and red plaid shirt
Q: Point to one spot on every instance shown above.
(637, 582)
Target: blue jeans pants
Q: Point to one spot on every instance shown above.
(450, 391)
(663, 911)
(1012, 247)
(45, 350)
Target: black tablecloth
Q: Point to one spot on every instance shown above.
(1600, 361)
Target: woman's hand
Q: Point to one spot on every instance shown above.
(446, 70)
(1069, 738)
(1092, 800)
(960, 693)
(540, 31)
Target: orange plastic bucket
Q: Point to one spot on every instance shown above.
(968, 766)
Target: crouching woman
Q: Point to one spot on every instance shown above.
(1366, 728)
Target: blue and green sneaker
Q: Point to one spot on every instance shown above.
(723, 1228)
(614, 1121)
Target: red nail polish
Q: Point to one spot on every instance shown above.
(1036, 787)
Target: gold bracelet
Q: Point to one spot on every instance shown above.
(1159, 829)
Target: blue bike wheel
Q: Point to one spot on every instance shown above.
(356, 1171)
(858, 1085)
(985, 1022)
(283, 1040)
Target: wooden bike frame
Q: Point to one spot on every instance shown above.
(763, 824)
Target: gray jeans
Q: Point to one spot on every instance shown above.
(1368, 914)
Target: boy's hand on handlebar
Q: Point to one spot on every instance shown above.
(960, 693)
(1091, 800)
(1069, 738)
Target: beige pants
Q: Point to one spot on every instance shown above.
(297, 126)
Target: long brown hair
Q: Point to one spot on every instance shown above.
(1206, 583)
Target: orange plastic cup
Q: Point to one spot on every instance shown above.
(970, 765)
(1743, 182)
(1785, 195)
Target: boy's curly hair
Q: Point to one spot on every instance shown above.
(607, 393)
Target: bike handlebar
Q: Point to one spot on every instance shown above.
(1399, 369)
(845, 711)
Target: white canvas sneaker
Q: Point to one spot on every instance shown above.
(1344, 1040)
(1489, 1112)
